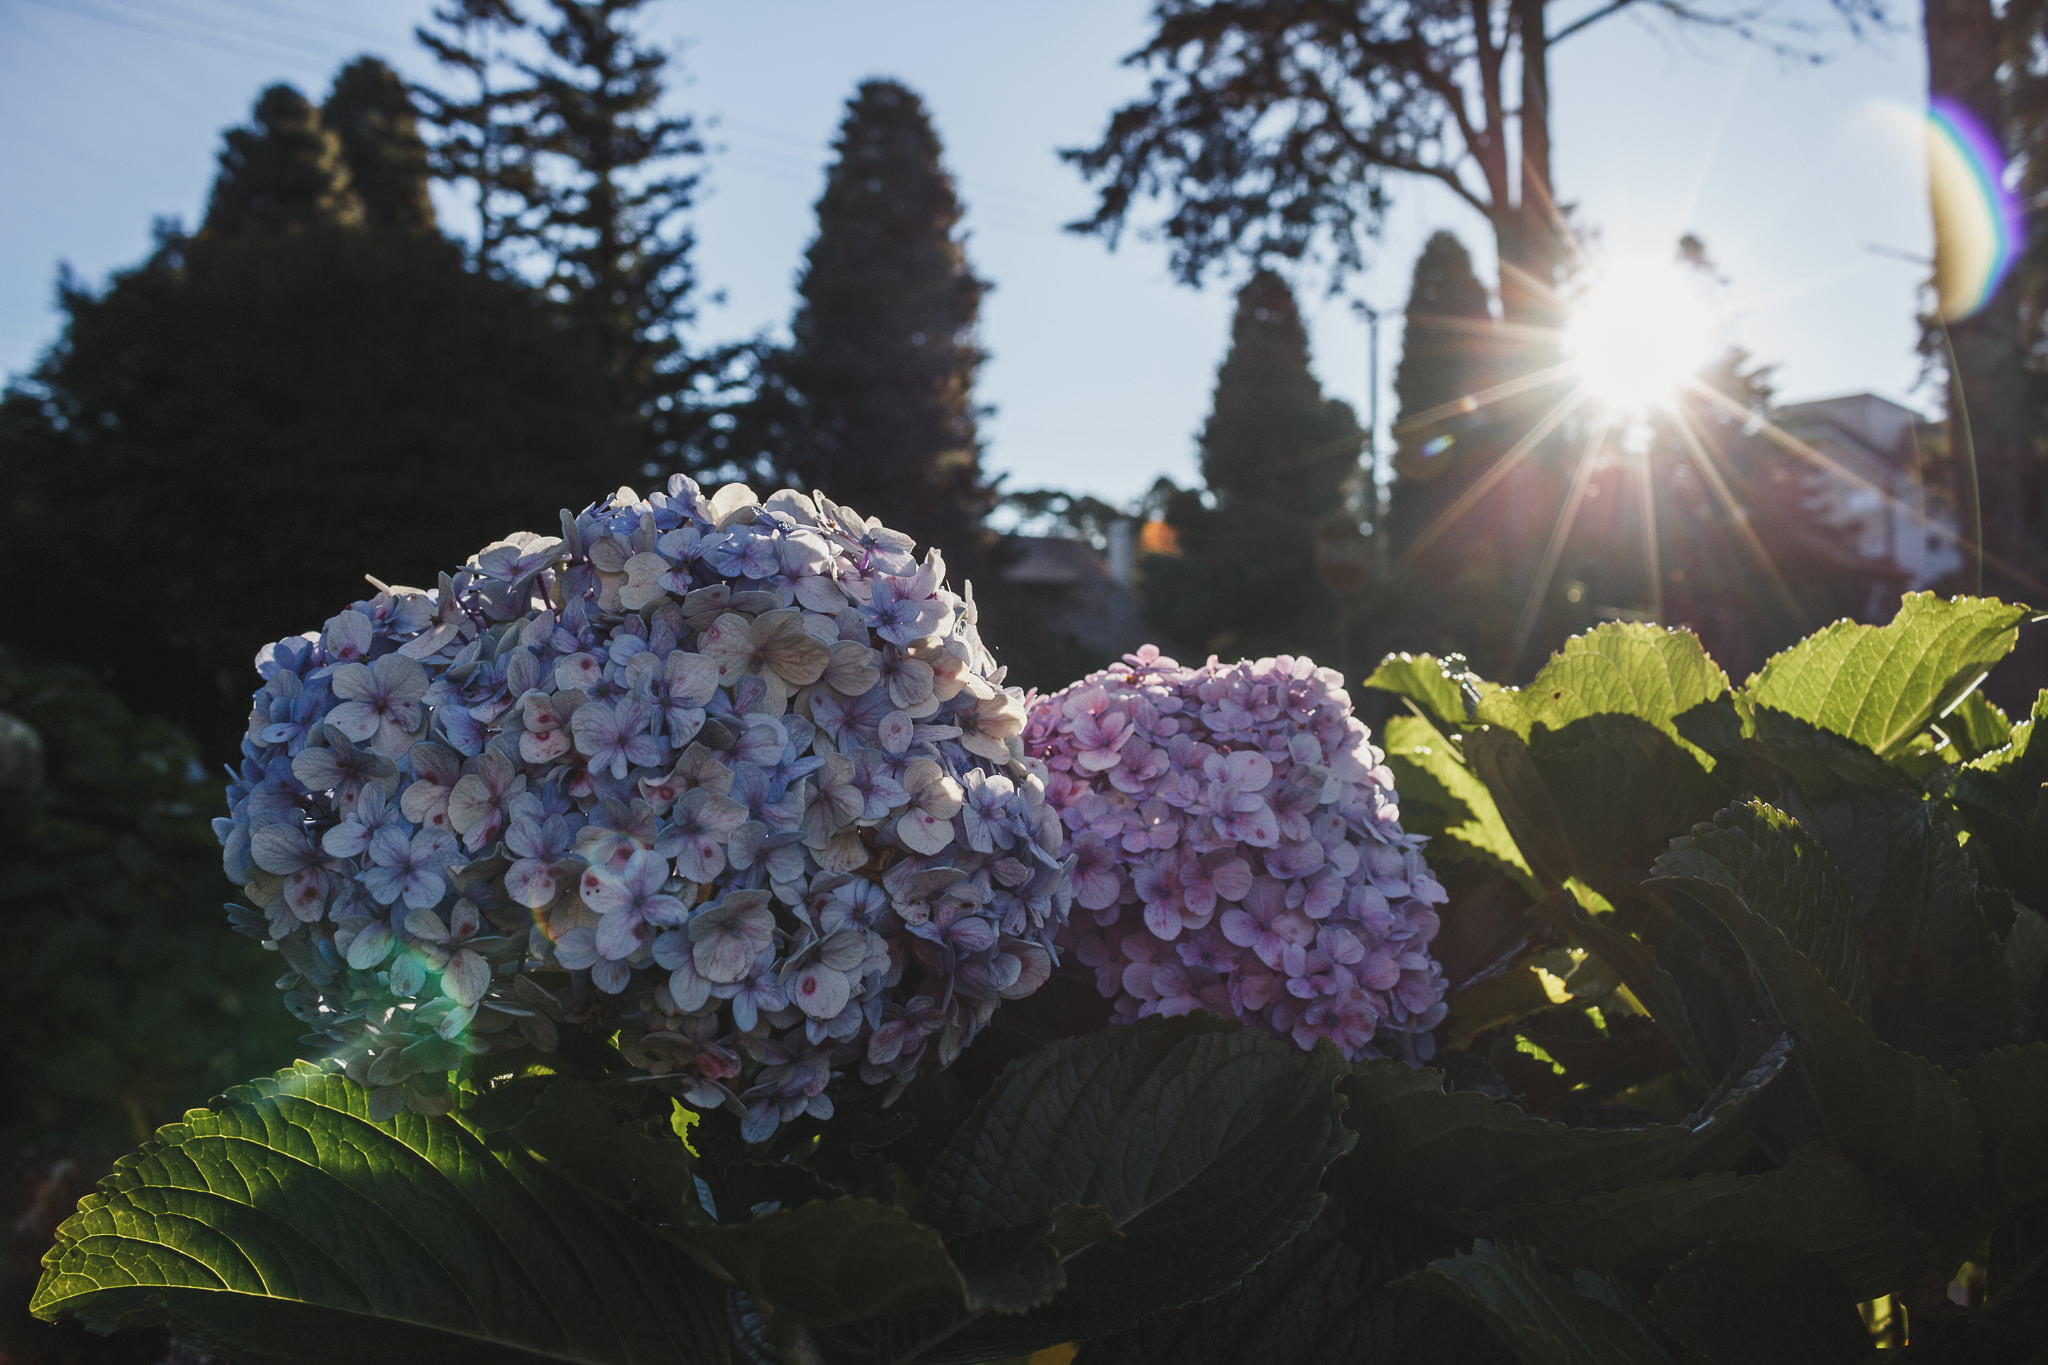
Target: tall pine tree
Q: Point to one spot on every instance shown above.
(1277, 458)
(873, 401)
(371, 114)
(284, 171)
(612, 188)
(478, 135)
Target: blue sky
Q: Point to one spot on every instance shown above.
(1101, 366)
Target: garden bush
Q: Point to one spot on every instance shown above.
(1732, 997)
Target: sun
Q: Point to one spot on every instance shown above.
(1639, 331)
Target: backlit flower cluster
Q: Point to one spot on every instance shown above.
(733, 782)
(1239, 850)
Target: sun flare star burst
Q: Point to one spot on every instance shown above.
(1638, 332)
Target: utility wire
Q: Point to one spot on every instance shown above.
(127, 21)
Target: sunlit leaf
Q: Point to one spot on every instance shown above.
(1615, 669)
(1444, 799)
(1881, 685)
(2003, 798)
(284, 1224)
(1421, 679)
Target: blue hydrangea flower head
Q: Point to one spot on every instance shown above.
(731, 781)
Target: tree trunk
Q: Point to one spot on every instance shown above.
(1526, 226)
(1989, 385)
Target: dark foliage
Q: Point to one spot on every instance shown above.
(1278, 130)
(371, 115)
(478, 132)
(873, 402)
(1278, 458)
(274, 407)
(613, 180)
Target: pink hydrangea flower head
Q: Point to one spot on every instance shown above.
(1237, 848)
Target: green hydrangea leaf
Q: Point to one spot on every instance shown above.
(1622, 789)
(1423, 680)
(1501, 759)
(1547, 1319)
(1322, 1299)
(1762, 856)
(1817, 1202)
(1421, 1146)
(1445, 800)
(284, 1224)
(1201, 1142)
(1770, 886)
(1882, 685)
(834, 1261)
(1938, 984)
(2003, 797)
(2009, 1090)
(1615, 669)
(1760, 1303)
(1976, 727)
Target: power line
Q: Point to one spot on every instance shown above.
(208, 25)
(120, 20)
(315, 19)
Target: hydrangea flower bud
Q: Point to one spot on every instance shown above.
(1238, 849)
(733, 782)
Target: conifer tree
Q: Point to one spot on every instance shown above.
(1277, 457)
(1446, 347)
(873, 401)
(285, 170)
(609, 217)
(371, 114)
(478, 133)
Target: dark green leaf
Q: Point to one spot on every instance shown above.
(1938, 982)
(1817, 1202)
(1501, 759)
(1881, 685)
(285, 1225)
(1897, 1115)
(1762, 857)
(2009, 1090)
(1202, 1142)
(1636, 963)
(1421, 1146)
(586, 1139)
(835, 1260)
(1008, 1270)
(1547, 1319)
(1760, 1303)
(1319, 1300)
(1622, 789)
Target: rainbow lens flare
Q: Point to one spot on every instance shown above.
(1976, 222)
